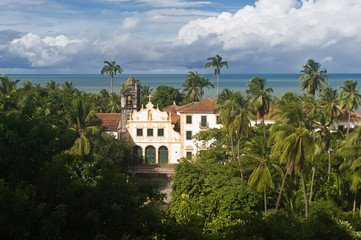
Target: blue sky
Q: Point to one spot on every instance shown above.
(177, 36)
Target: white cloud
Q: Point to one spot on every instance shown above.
(165, 3)
(130, 23)
(48, 51)
(283, 24)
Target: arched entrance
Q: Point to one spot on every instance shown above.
(163, 155)
(150, 155)
(138, 154)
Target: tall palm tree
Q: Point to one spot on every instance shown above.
(193, 86)
(257, 150)
(294, 143)
(84, 123)
(7, 85)
(261, 97)
(313, 77)
(350, 99)
(112, 69)
(329, 114)
(216, 63)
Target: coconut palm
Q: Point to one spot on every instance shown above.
(261, 97)
(216, 63)
(257, 151)
(69, 88)
(7, 85)
(329, 114)
(84, 123)
(313, 77)
(294, 143)
(112, 69)
(193, 86)
(52, 85)
(350, 99)
(226, 94)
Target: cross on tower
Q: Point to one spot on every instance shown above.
(150, 96)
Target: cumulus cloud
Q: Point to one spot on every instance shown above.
(281, 26)
(48, 51)
(162, 3)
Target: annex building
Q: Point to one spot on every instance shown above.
(162, 136)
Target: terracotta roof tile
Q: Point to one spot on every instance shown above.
(110, 121)
(207, 105)
(344, 115)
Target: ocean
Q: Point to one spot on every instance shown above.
(280, 83)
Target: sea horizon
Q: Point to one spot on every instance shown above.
(93, 83)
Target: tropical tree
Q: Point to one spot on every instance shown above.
(294, 144)
(313, 77)
(226, 94)
(328, 115)
(112, 69)
(261, 97)
(69, 88)
(193, 86)
(350, 99)
(257, 150)
(216, 63)
(52, 85)
(84, 123)
(7, 85)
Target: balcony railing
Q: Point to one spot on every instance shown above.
(203, 125)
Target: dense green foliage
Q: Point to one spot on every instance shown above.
(61, 178)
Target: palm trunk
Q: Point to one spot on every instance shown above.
(281, 190)
(354, 202)
(217, 84)
(265, 199)
(304, 194)
(111, 83)
(348, 122)
(329, 164)
(312, 180)
(264, 127)
(232, 148)
(360, 209)
(239, 160)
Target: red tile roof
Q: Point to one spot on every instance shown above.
(110, 121)
(344, 115)
(207, 105)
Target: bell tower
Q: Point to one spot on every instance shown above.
(129, 101)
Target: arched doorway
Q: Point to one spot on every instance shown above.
(163, 155)
(138, 154)
(150, 155)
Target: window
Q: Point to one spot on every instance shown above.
(218, 120)
(204, 121)
(340, 127)
(150, 132)
(160, 132)
(189, 135)
(139, 132)
(189, 119)
(188, 154)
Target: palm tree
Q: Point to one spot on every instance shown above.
(216, 63)
(313, 77)
(52, 85)
(225, 95)
(294, 143)
(84, 123)
(257, 151)
(261, 97)
(114, 105)
(112, 69)
(193, 86)
(69, 88)
(329, 113)
(7, 85)
(350, 99)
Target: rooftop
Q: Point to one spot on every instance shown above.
(207, 105)
(110, 121)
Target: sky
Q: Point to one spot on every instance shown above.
(177, 36)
